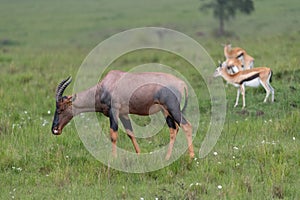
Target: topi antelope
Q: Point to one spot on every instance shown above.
(250, 77)
(240, 54)
(119, 94)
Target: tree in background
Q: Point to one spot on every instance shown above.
(224, 10)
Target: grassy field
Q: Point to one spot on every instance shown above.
(41, 42)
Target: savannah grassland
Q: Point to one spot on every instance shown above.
(41, 42)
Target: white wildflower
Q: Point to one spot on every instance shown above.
(294, 138)
(220, 187)
(235, 148)
(49, 112)
(215, 153)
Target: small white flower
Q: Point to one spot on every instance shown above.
(233, 157)
(191, 184)
(237, 164)
(49, 112)
(215, 153)
(220, 187)
(263, 141)
(235, 148)
(67, 157)
(219, 163)
(142, 198)
(197, 183)
(294, 138)
(25, 112)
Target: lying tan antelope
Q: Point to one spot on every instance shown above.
(240, 54)
(119, 94)
(251, 77)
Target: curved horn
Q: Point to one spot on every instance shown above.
(61, 87)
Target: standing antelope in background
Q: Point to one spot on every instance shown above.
(119, 94)
(251, 77)
(240, 54)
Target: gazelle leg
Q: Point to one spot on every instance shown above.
(242, 87)
(237, 97)
(127, 125)
(272, 91)
(266, 87)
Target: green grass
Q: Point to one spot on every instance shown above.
(42, 42)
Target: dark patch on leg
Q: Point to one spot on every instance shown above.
(170, 98)
(170, 122)
(103, 101)
(113, 121)
(126, 123)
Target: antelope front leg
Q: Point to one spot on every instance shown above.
(127, 125)
(113, 138)
(113, 120)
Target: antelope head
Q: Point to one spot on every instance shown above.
(63, 113)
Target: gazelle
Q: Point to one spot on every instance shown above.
(240, 54)
(250, 77)
(119, 94)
